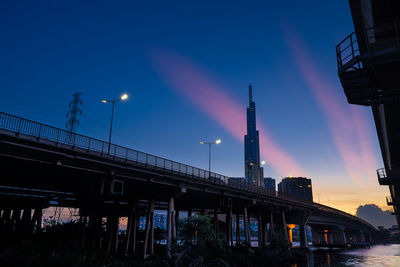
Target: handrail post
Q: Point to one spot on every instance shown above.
(19, 125)
(40, 130)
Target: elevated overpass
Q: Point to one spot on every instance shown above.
(45, 166)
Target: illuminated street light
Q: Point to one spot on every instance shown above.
(123, 97)
(263, 162)
(216, 142)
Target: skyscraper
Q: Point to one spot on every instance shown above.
(253, 171)
(269, 183)
(299, 187)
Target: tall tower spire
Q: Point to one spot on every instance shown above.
(250, 93)
(253, 170)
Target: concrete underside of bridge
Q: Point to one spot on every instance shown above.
(38, 173)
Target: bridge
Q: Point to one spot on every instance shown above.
(44, 166)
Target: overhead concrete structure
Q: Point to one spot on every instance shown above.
(42, 166)
(369, 66)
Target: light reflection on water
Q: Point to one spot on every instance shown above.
(379, 255)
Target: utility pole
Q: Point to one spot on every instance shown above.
(72, 115)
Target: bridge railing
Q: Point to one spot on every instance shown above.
(42, 131)
(374, 41)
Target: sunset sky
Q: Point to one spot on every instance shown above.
(186, 67)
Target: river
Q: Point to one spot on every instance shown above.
(379, 255)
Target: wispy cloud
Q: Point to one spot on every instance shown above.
(347, 123)
(209, 96)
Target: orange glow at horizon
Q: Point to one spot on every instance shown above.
(192, 82)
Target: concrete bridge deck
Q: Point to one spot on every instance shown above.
(45, 166)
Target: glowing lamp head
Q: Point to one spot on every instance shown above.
(124, 97)
(104, 101)
(202, 142)
(218, 141)
(263, 162)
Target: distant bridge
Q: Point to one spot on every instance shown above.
(45, 166)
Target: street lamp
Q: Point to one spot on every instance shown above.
(216, 142)
(123, 97)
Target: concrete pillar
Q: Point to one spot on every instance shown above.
(216, 223)
(231, 225)
(362, 236)
(237, 229)
(342, 235)
(16, 216)
(247, 226)
(170, 215)
(271, 227)
(315, 236)
(147, 228)
(112, 234)
(152, 233)
(130, 246)
(303, 236)
(284, 228)
(37, 219)
(260, 231)
(26, 221)
(176, 224)
(229, 236)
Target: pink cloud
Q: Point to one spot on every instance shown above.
(347, 123)
(210, 97)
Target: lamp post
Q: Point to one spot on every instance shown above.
(123, 97)
(216, 142)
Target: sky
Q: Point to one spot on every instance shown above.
(186, 66)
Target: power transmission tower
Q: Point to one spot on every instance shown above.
(72, 115)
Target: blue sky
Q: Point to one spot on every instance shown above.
(52, 49)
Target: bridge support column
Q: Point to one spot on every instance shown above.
(362, 236)
(26, 221)
(130, 246)
(216, 223)
(303, 236)
(37, 219)
(272, 234)
(316, 239)
(170, 216)
(342, 235)
(147, 228)
(264, 231)
(246, 226)
(15, 219)
(237, 229)
(176, 223)
(112, 234)
(284, 228)
(229, 229)
(260, 231)
(152, 232)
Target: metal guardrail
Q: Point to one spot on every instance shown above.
(373, 40)
(42, 131)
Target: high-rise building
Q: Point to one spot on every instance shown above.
(299, 187)
(369, 66)
(253, 171)
(269, 183)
